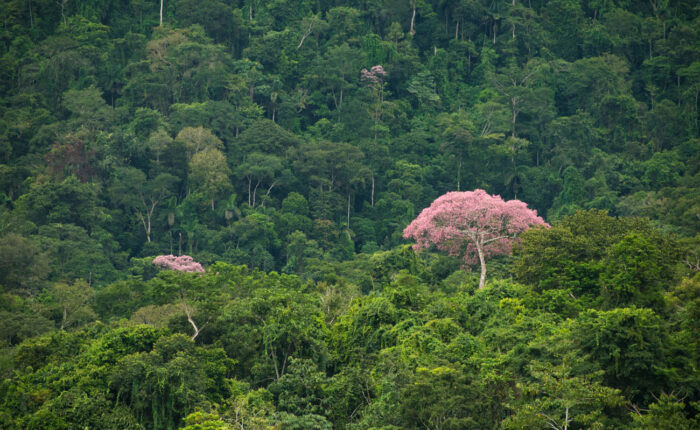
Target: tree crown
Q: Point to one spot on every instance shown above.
(182, 263)
(459, 222)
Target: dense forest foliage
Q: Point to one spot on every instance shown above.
(286, 145)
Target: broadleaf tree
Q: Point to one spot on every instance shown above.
(473, 225)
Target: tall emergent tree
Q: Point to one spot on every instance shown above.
(472, 224)
(188, 288)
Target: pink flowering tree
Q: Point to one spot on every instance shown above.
(188, 290)
(473, 225)
(374, 78)
(183, 263)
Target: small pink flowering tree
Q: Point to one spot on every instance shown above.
(374, 78)
(473, 225)
(183, 263)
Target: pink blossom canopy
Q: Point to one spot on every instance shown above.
(183, 263)
(458, 222)
(373, 75)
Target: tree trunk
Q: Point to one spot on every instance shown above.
(255, 192)
(372, 199)
(188, 312)
(459, 174)
(62, 5)
(482, 260)
(146, 224)
(161, 13)
(65, 317)
(413, 20)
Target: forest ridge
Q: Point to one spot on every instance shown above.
(282, 148)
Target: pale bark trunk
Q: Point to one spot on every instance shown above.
(306, 34)
(161, 12)
(482, 260)
(413, 20)
(62, 5)
(188, 313)
(459, 174)
(65, 317)
(255, 192)
(146, 221)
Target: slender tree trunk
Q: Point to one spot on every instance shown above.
(148, 229)
(372, 198)
(189, 318)
(255, 192)
(62, 4)
(413, 20)
(348, 223)
(31, 15)
(146, 224)
(65, 317)
(459, 174)
(161, 13)
(482, 260)
(306, 34)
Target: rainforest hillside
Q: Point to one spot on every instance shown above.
(285, 146)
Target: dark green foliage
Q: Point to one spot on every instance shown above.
(247, 133)
(602, 260)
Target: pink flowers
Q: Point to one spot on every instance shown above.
(373, 75)
(473, 225)
(183, 263)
